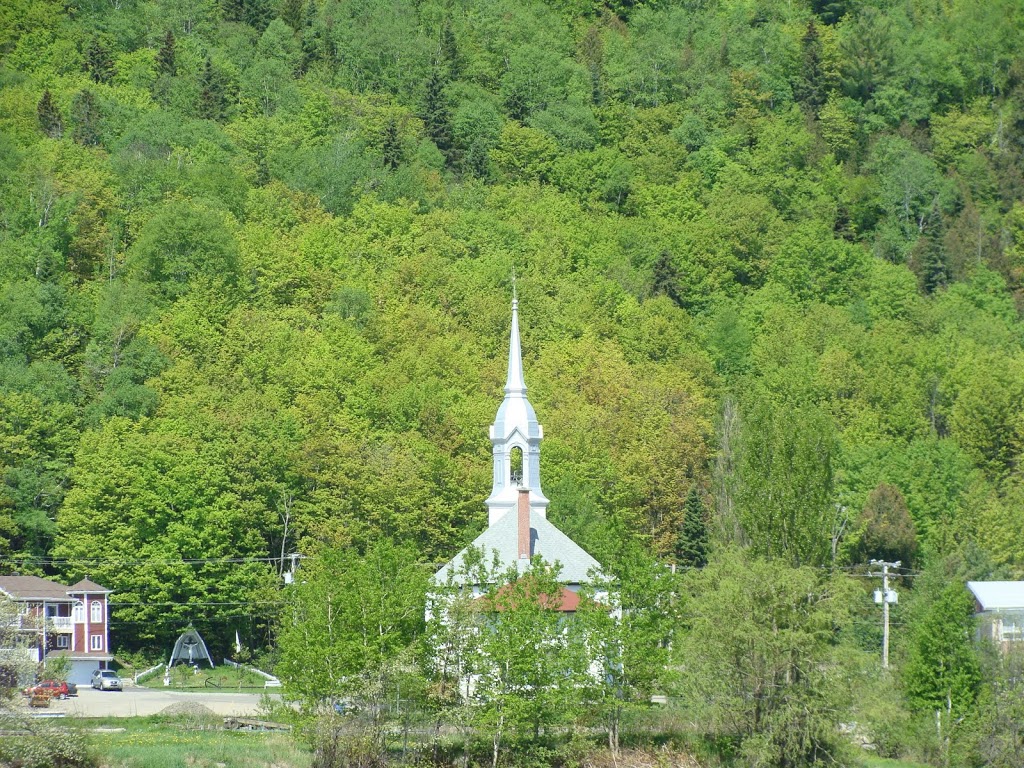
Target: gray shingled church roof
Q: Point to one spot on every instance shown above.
(545, 540)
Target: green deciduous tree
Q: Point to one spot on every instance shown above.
(997, 740)
(627, 622)
(182, 243)
(785, 498)
(347, 616)
(887, 530)
(765, 668)
(194, 548)
(528, 662)
(942, 673)
(985, 419)
(16, 665)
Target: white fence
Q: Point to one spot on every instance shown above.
(271, 681)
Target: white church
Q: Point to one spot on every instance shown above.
(517, 509)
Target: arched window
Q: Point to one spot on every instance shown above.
(515, 474)
(95, 611)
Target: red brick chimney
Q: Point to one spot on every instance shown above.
(524, 523)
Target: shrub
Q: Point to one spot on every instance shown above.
(43, 746)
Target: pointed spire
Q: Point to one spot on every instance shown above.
(514, 382)
(515, 428)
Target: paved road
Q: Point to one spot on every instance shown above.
(151, 701)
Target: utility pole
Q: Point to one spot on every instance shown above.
(885, 596)
(42, 652)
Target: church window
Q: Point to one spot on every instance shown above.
(516, 466)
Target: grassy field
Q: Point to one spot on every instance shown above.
(196, 740)
(218, 678)
(171, 743)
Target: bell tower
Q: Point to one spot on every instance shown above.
(515, 437)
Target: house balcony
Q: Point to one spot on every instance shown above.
(31, 623)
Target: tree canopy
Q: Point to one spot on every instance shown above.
(256, 260)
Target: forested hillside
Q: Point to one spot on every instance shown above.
(256, 263)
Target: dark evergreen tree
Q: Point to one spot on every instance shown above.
(665, 278)
(257, 14)
(86, 116)
(868, 54)
(292, 14)
(98, 63)
(692, 544)
(830, 11)
(262, 169)
(391, 145)
(211, 93)
(477, 159)
(810, 87)
(450, 50)
(165, 57)
(929, 261)
(312, 40)
(515, 105)
(50, 119)
(436, 114)
(233, 10)
(592, 52)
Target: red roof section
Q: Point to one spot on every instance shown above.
(568, 602)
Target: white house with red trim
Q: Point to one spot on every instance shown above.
(63, 621)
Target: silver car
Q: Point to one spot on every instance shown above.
(106, 680)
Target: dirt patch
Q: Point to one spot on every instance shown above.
(638, 758)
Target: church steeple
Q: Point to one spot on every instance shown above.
(515, 437)
(514, 380)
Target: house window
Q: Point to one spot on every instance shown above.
(96, 642)
(63, 641)
(79, 613)
(1011, 630)
(96, 612)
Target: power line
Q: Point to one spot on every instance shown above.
(192, 603)
(97, 561)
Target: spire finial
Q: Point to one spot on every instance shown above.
(515, 295)
(514, 382)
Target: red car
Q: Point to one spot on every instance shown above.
(55, 689)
